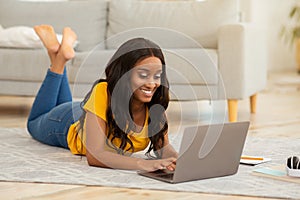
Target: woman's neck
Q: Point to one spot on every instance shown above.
(139, 115)
(137, 107)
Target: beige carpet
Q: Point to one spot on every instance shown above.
(24, 160)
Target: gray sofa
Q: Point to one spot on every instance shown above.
(209, 54)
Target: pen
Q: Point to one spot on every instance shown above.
(251, 158)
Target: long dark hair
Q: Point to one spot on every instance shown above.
(119, 117)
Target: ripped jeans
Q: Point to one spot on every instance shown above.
(53, 111)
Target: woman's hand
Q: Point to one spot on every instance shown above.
(153, 165)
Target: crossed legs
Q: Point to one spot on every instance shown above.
(52, 111)
(55, 88)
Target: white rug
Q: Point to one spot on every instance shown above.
(23, 159)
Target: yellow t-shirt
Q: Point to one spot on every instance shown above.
(97, 104)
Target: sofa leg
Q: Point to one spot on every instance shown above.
(253, 103)
(232, 110)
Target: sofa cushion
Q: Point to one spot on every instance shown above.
(86, 17)
(192, 66)
(199, 20)
(24, 65)
(165, 38)
(87, 67)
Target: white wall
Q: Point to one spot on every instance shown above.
(270, 15)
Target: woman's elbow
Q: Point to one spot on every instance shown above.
(90, 162)
(94, 162)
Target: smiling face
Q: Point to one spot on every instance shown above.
(146, 78)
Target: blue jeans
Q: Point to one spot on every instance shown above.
(53, 111)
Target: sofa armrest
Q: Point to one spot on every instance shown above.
(242, 59)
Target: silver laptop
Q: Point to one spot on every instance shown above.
(206, 151)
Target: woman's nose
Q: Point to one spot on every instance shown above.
(150, 84)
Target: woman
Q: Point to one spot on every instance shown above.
(121, 115)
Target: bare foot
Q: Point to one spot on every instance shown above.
(65, 51)
(47, 35)
(69, 37)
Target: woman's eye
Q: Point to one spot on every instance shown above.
(157, 76)
(143, 75)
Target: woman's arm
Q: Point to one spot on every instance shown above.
(99, 157)
(168, 150)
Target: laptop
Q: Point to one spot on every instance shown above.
(206, 151)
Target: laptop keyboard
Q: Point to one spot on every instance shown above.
(163, 174)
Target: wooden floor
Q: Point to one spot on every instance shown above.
(277, 115)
